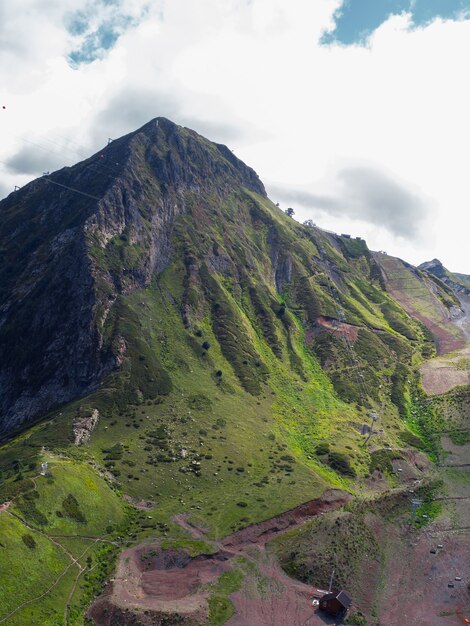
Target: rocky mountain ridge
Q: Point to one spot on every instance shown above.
(104, 228)
(55, 291)
(460, 283)
(108, 226)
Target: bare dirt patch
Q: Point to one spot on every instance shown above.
(341, 329)
(464, 322)
(457, 455)
(419, 299)
(260, 533)
(417, 591)
(279, 600)
(442, 374)
(418, 572)
(174, 574)
(170, 581)
(106, 613)
(144, 505)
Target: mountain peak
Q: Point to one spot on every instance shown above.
(429, 265)
(180, 157)
(459, 283)
(88, 234)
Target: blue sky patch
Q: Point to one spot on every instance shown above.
(356, 20)
(96, 29)
(97, 42)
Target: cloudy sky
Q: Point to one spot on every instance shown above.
(353, 112)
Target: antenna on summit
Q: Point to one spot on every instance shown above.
(109, 140)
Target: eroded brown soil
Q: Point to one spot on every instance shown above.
(260, 533)
(171, 582)
(417, 591)
(444, 373)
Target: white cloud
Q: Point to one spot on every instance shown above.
(364, 193)
(252, 73)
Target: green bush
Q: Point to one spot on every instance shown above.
(340, 463)
(27, 507)
(231, 334)
(356, 619)
(28, 540)
(72, 509)
(265, 318)
(399, 384)
(114, 453)
(322, 448)
(381, 460)
(411, 439)
(398, 320)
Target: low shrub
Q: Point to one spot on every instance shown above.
(28, 540)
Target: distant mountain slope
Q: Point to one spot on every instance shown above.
(426, 298)
(460, 283)
(76, 244)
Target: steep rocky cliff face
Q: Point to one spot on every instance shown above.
(72, 241)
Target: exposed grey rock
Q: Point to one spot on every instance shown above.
(454, 281)
(55, 295)
(83, 426)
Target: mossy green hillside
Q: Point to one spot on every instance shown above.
(219, 392)
(22, 579)
(246, 364)
(72, 499)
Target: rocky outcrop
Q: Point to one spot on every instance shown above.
(459, 283)
(83, 426)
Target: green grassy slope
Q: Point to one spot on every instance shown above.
(71, 513)
(232, 403)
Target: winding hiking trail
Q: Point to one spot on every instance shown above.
(74, 561)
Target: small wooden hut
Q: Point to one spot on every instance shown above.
(336, 603)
